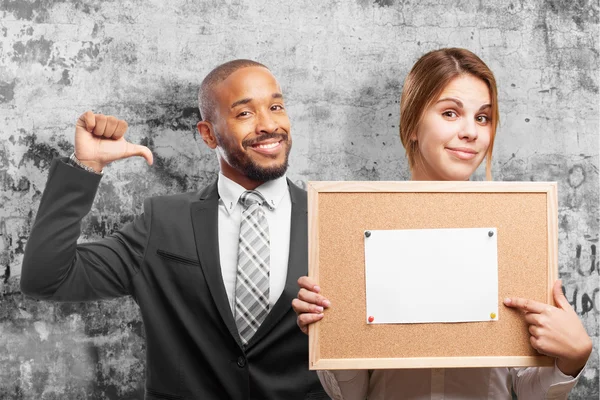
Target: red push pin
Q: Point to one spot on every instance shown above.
(371, 319)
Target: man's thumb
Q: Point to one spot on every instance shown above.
(139, 150)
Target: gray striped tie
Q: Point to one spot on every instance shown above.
(252, 282)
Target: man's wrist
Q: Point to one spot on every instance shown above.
(75, 162)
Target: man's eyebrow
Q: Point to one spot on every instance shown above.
(242, 101)
(248, 100)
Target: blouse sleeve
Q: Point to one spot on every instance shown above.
(345, 384)
(542, 382)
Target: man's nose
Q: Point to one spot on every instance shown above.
(266, 123)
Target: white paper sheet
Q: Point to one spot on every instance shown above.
(431, 275)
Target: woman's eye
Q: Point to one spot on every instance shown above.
(449, 114)
(483, 119)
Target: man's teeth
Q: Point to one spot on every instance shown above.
(267, 146)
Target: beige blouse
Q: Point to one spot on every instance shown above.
(448, 384)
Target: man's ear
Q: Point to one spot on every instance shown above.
(206, 131)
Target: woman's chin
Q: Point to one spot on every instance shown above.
(463, 175)
(458, 170)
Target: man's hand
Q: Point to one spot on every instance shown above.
(99, 141)
(310, 304)
(556, 331)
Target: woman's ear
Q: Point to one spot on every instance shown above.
(206, 131)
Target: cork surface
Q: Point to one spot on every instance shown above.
(521, 220)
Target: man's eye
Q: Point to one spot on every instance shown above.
(277, 107)
(243, 114)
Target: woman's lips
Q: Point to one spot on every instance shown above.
(462, 153)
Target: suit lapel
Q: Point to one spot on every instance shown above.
(205, 220)
(297, 262)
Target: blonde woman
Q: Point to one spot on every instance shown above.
(448, 119)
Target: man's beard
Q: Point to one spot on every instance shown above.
(240, 161)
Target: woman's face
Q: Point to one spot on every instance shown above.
(455, 132)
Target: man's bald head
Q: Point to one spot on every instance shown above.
(206, 95)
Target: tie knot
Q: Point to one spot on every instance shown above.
(251, 197)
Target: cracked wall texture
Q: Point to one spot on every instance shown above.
(341, 65)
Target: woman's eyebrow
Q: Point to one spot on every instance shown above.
(460, 104)
(457, 101)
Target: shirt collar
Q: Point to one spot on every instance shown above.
(230, 191)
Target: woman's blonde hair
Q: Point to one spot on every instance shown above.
(425, 83)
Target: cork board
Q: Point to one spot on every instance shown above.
(525, 215)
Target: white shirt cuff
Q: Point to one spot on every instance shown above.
(559, 385)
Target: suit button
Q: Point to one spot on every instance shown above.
(241, 362)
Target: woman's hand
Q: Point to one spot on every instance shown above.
(556, 331)
(310, 304)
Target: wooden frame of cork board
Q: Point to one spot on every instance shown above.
(526, 217)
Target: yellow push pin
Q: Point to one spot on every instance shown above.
(493, 315)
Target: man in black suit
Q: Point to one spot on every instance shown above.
(179, 259)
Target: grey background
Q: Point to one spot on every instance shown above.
(341, 65)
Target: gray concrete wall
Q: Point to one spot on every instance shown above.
(341, 65)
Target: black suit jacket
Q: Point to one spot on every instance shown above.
(168, 260)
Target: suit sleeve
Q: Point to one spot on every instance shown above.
(55, 267)
(542, 382)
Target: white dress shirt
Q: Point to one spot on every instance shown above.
(448, 384)
(279, 219)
